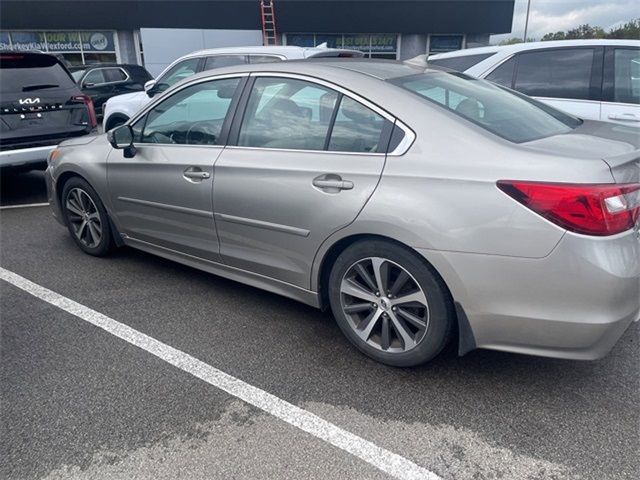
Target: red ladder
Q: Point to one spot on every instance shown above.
(269, 35)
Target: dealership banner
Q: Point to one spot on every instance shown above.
(58, 41)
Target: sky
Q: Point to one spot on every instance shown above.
(561, 15)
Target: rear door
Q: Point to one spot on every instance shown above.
(621, 96)
(163, 194)
(306, 160)
(39, 101)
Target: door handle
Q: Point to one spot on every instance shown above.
(195, 174)
(332, 183)
(624, 117)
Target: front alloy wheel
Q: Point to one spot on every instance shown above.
(84, 217)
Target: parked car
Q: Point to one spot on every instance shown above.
(119, 109)
(414, 203)
(592, 79)
(103, 81)
(40, 105)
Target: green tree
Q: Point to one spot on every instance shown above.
(510, 41)
(630, 30)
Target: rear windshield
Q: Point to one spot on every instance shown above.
(461, 63)
(29, 72)
(508, 114)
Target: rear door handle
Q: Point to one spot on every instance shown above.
(332, 183)
(195, 174)
(624, 117)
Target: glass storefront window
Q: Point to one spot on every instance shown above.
(445, 43)
(74, 47)
(373, 46)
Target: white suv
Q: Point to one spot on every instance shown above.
(119, 109)
(591, 79)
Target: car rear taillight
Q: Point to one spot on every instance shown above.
(589, 209)
(93, 120)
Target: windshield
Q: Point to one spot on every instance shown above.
(31, 72)
(77, 74)
(508, 114)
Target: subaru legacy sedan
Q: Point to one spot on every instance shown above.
(421, 206)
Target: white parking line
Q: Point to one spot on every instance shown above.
(26, 205)
(389, 462)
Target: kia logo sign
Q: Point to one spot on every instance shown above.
(29, 101)
(98, 41)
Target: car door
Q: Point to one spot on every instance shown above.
(162, 195)
(621, 91)
(119, 80)
(566, 78)
(305, 159)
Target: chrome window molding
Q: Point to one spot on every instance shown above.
(402, 148)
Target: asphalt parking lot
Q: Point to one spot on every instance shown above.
(79, 402)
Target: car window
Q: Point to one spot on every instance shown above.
(77, 74)
(95, 77)
(30, 72)
(626, 79)
(287, 113)
(192, 116)
(178, 72)
(561, 73)
(219, 61)
(462, 62)
(503, 75)
(356, 129)
(507, 114)
(264, 59)
(114, 75)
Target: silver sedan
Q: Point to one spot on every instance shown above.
(421, 206)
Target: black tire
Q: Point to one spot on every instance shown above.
(440, 312)
(105, 244)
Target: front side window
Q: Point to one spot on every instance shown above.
(562, 73)
(507, 114)
(178, 72)
(219, 61)
(114, 75)
(94, 77)
(287, 113)
(626, 80)
(193, 116)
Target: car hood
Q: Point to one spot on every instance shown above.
(128, 98)
(79, 141)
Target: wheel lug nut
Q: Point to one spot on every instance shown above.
(393, 309)
(377, 294)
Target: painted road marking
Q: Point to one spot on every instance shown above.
(389, 462)
(26, 205)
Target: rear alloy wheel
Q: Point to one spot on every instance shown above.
(390, 303)
(86, 217)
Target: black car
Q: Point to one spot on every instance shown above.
(40, 106)
(103, 81)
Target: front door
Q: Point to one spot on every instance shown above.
(622, 86)
(305, 163)
(163, 194)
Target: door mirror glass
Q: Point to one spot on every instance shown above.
(120, 137)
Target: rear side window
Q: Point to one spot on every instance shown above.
(32, 72)
(626, 79)
(507, 114)
(461, 63)
(503, 75)
(356, 129)
(94, 77)
(220, 61)
(264, 59)
(562, 73)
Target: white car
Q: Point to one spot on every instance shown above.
(119, 109)
(591, 79)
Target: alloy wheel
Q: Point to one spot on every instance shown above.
(385, 305)
(84, 217)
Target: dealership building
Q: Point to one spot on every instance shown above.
(156, 32)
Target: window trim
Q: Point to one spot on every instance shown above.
(90, 70)
(401, 149)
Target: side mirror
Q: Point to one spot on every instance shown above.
(148, 88)
(121, 138)
(88, 85)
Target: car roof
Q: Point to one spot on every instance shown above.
(519, 47)
(258, 49)
(103, 65)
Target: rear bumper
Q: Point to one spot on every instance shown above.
(575, 303)
(25, 156)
